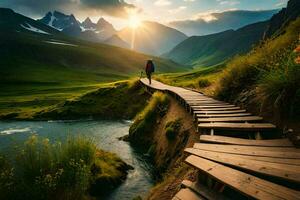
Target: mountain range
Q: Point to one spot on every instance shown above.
(35, 52)
(151, 38)
(154, 38)
(217, 48)
(68, 24)
(219, 22)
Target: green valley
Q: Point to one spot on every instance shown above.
(86, 113)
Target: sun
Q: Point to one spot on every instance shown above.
(134, 22)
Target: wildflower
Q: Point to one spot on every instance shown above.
(297, 60)
(297, 50)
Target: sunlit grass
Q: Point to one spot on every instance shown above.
(270, 72)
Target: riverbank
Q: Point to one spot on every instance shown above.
(159, 131)
(104, 133)
(163, 130)
(118, 100)
(70, 169)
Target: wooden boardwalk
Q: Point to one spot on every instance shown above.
(259, 169)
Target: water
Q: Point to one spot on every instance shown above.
(104, 133)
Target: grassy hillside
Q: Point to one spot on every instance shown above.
(201, 78)
(119, 100)
(217, 48)
(266, 80)
(40, 70)
(269, 74)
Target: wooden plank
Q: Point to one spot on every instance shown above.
(199, 98)
(274, 152)
(187, 194)
(214, 109)
(231, 119)
(203, 191)
(238, 126)
(286, 161)
(199, 103)
(216, 106)
(282, 171)
(219, 112)
(223, 115)
(247, 142)
(249, 185)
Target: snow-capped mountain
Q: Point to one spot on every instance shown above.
(17, 23)
(59, 20)
(87, 30)
(87, 24)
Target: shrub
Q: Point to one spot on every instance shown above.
(203, 83)
(172, 128)
(42, 170)
(280, 88)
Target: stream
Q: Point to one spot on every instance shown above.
(104, 133)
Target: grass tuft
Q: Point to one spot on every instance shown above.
(172, 128)
(45, 170)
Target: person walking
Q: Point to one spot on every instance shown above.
(149, 69)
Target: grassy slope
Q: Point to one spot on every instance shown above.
(35, 74)
(202, 78)
(266, 80)
(216, 48)
(121, 100)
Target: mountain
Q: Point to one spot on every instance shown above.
(105, 29)
(87, 24)
(218, 22)
(115, 40)
(11, 21)
(59, 20)
(152, 37)
(34, 52)
(216, 48)
(87, 30)
(282, 19)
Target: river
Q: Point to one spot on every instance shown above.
(104, 133)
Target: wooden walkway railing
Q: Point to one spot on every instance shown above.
(259, 169)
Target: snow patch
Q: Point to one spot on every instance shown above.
(33, 29)
(51, 23)
(51, 20)
(99, 31)
(87, 29)
(13, 131)
(61, 43)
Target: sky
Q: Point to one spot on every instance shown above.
(117, 11)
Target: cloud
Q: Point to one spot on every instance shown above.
(117, 8)
(281, 3)
(177, 10)
(162, 3)
(214, 21)
(230, 3)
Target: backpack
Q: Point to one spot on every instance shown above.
(152, 67)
